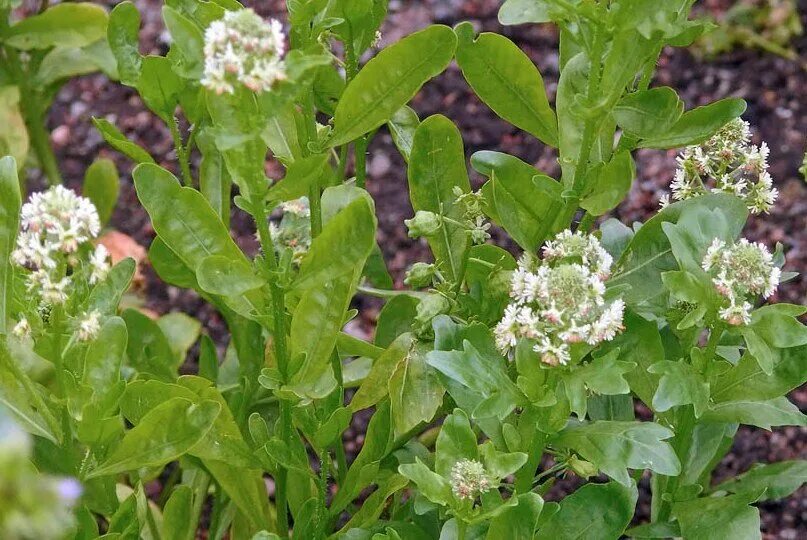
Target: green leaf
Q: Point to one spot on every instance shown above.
(315, 325)
(159, 87)
(65, 25)
(718, 518)
(507, 81)
(697, 125)
(764, 414)
(101, 186)
(650, 254)
(10, 203)
(518, 521)
(299, 176)
(106, 295)
(223, 276)
(610, 185)
(437, 166)
(481, 373)
(779, 480)
(13, 132)
(374, 505)
(20, 397)
(747, 380)
(345, 243)
(779, 326)
(119, 142)
(402, 127)
(122, 34)
(515, 12)
(388, 81)
(395, 319)
(167, 432)
(680, 385)
(105, 356)
(247, 489)
(178, 514)
(604, 375)
(616, 446)
(455, 442)
(65, 62)
(148, 350)
(415, 392)
(693, 233)
(595, 511)
(649, 113)
(183, 218)
(375, 385)
(181, 331)
(187, 44)
(523, 197)
(430, 484)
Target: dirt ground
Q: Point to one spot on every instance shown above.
(777, 109)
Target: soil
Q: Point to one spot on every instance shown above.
(777, 110)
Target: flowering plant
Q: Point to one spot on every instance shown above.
(490, 377)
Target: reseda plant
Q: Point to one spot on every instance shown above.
(490, 377)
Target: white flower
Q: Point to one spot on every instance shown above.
(89, 326)
(54, 292)
(730, 165)
(469, 479)
(243, 49)
(99, 264)
(561, 302)
(22, 329)
(741, 271)
(736, 315)
(508, 329)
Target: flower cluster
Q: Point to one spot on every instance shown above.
(729, 164)
(243, 49)
(469, 479)
(55, 226)
(474, 218)
(34, 505)
(738, 272)
(561, 301)
(293, 232)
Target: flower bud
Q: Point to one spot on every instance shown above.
(582, 468)
(424, 224)
(420, 275)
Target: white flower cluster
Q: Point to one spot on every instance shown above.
(730, 164)
(740, 271)
(89, 326)
(55, 224)
(561, 301)
(243, 48)
(469, 479)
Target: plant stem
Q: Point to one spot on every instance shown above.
(589, 130)
(360, 149)
(182, 153)
(38, 134)
(461, 529)
(281, 356)
(198, 501)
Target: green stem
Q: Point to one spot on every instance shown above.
(182, 153)
(38, 134)
(198, 502)
(525, 477)
(589, 131)
(462, 527)
(361, 160)
(587, 222)
(315, 208)
(343, 155)
(281, 356)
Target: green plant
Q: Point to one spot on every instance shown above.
(485, 366)
(38, 55)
